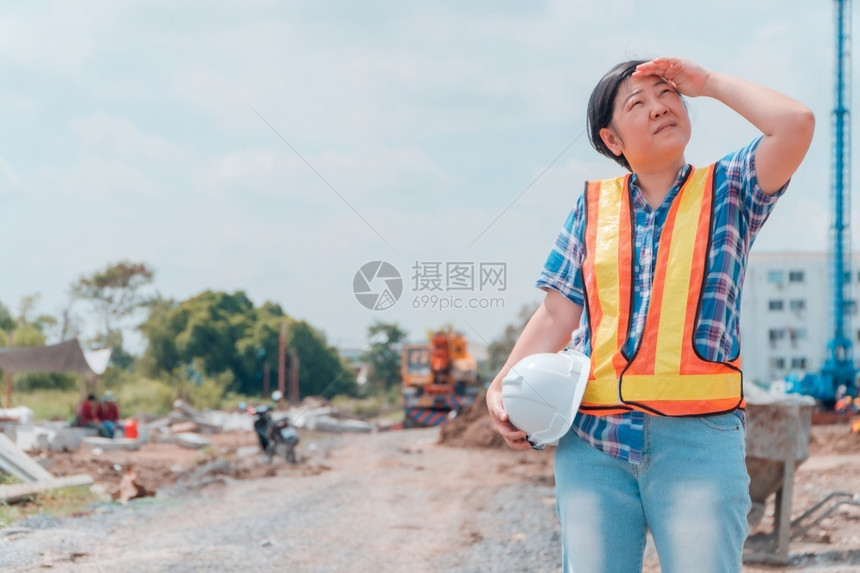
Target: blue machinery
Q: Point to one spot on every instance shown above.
(838, 368)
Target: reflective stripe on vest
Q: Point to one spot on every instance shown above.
(665, 375)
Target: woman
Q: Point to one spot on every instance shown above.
(647, 270)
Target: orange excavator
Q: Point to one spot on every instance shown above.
(438, 379)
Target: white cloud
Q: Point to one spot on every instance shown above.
(12, 176)
(60, 37)
(95, 179)
(17, 104)
(121, 137)
(369, 174)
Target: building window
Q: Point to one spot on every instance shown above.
(798, 363)
(797, 304)
(795, 334)
(774, 304)
(778, 277)
(775, 334)
(777, 363)
(795, 276)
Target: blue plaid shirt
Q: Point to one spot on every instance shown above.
(740, 210)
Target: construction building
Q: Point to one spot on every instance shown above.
(786, 316)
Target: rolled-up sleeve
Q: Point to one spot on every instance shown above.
(742, 177)
(562, 270)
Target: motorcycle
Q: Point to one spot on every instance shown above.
(275, 435)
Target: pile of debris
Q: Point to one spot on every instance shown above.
(155, 446)
(317, 414)
(472, 428)
(18, 425)
(835, 439)
(35, 479)
(186, 425)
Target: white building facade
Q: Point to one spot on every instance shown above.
(786, 316)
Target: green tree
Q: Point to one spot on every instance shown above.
(321, 371)
(7, 323)
(27, 314)
(226, 333)
(383, 356)
(114, 294)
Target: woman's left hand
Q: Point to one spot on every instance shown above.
(688, 78)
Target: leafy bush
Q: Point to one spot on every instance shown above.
(28, 381)
(210, 392)
(145, 396)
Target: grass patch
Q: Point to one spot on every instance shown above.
(142, 395)
(65, 502)
(49, 404)
(385, 406)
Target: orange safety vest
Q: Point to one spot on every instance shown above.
(666, 375)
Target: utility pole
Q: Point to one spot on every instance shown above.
(9, 378)
(294, 377)
(282, 358)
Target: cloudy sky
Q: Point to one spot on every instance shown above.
(276, 147)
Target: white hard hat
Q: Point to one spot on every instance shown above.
(277, 395)
(542, 394)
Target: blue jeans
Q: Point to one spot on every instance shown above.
(691, 490)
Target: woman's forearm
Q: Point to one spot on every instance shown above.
(548, 330)
(786, 123)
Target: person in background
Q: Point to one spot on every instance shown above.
(87, 415)
(108, 412)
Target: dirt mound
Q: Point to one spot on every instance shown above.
(471, 429)
(834, 439)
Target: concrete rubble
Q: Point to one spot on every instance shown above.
(19, 415)
(110, 444)
(14, 461)
(184, 426)
(313, 414)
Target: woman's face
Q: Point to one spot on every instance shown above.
(650, 125)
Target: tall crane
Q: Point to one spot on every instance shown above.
(838, 368)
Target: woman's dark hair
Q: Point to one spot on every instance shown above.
(601, 104)
(91, 396)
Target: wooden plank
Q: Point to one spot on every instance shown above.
(22, 491)
(24, 466)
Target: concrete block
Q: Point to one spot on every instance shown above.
(108, 445)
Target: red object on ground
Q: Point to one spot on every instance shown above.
(131, 429)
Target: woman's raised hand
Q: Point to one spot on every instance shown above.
(688, 78)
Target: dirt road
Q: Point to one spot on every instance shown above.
(394, 501)
(386, 502)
